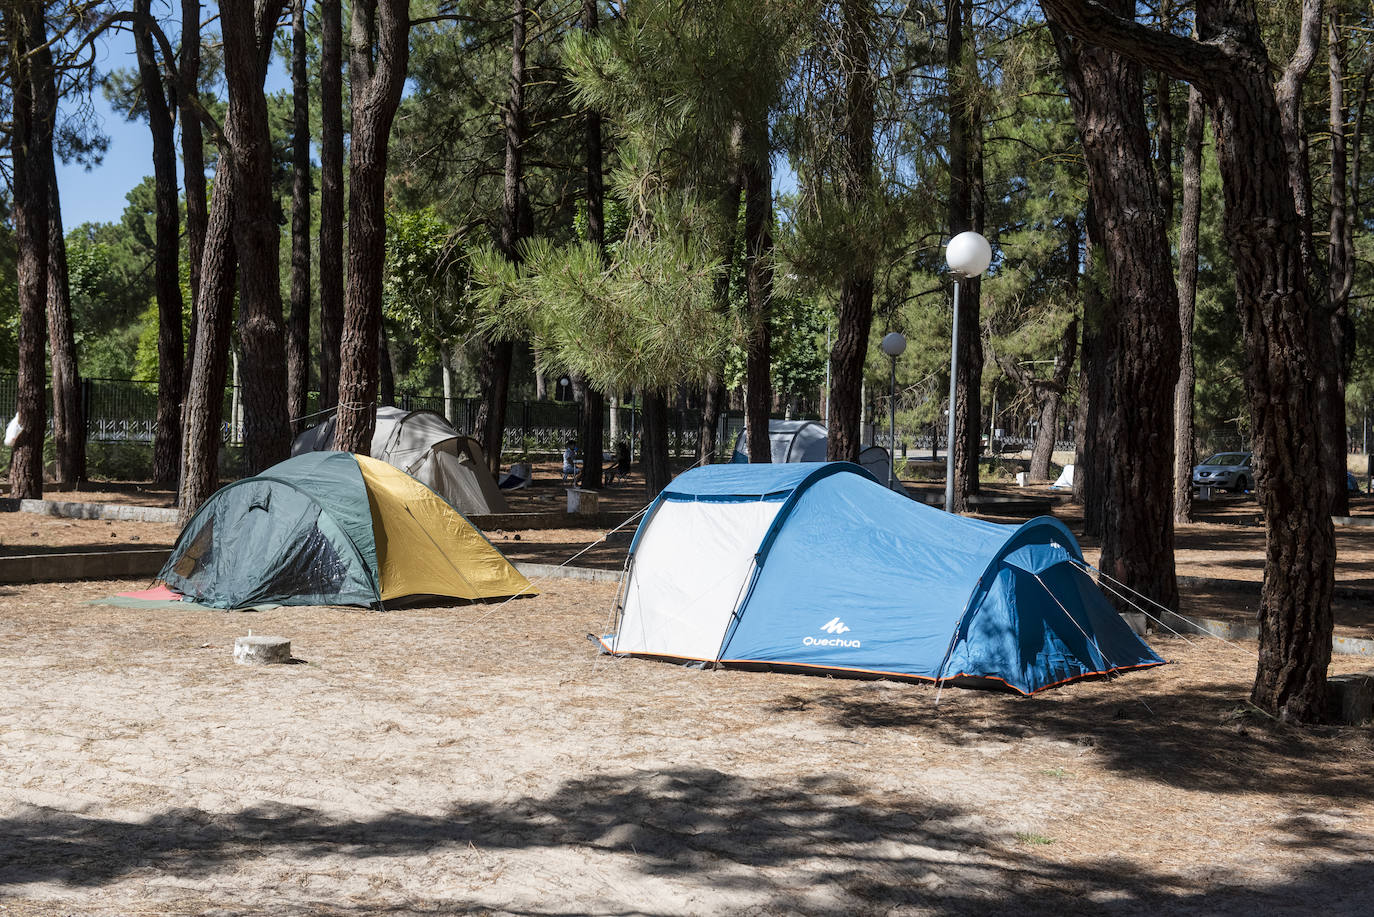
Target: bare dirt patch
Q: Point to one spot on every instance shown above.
(483, 758)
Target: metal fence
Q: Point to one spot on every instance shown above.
(125, 411)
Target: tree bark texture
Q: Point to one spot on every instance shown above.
(966, 208)
(331, 199)
(855, 312)
(68, 420)
(30, 154)
(210, 360)
(298, 325)
(493, 376)
(192, 159)
(247, 44)
(1190, 221)
(1140, 338)
(657, 473)
(1289, 95)
(1276, 301)
(758, 248)
(713, 401)
(591, 431)
(171, 354)
(1047, 394)
(1340, 333)
(381, 29)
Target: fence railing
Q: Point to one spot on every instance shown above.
(125, 411)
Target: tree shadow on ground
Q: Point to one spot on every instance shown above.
(1207, 738)
(819, 846)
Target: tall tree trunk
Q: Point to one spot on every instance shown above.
(1289, 94)
(965, 213)
(855, 312)
(30, 154)
(247, 36)
(1340, 344)
(713, 400)
(193, 162)
(298, 326)
(68, 422)
(493, 376)
(716, 398)
(210, 359)
(758, 247)
(1276, 301)
(331, 199)
(657, 472)
(1090, 452)
(591, 431)
(171, 353)
(1187, 303)
(1050, 393)
(380, 28)
(1140, 327)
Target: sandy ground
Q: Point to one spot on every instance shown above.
(484, 758)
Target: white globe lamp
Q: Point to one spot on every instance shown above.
(968, 254)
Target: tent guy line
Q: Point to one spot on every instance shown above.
(1089, 567)
(530, 589)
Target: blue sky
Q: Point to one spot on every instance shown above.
(98, 195)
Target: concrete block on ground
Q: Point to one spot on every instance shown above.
(261, 650)
(583, 502)
(1350, 698)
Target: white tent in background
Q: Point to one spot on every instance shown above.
(1065, 480)
(805, 441)
(426, 447)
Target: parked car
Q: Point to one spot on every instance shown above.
(1226, 470)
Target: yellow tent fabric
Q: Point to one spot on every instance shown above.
(425, 547)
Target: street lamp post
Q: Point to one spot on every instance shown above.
(968, 255)
(893, 344)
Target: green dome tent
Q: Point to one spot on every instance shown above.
(333, 528)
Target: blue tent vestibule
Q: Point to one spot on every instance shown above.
(818, 567)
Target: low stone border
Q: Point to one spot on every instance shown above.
(512, 522)
(1251, 587)
(553, 571)
(120, 511)
(96, 565)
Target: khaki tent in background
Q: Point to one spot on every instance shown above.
(426, 447)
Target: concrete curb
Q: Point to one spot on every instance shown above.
(100, 511)
(1250, 587)
(1229, 629)
(553, 571)
(55, 568)
(511, 522)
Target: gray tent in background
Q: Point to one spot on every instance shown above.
(805, 441)
(426, 447)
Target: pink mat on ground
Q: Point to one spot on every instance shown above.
(159, 593)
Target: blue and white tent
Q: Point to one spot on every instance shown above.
(817, 567)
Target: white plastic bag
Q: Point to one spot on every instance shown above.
(12, 431)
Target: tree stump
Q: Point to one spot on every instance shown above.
(1350, 698)
(261, 650)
